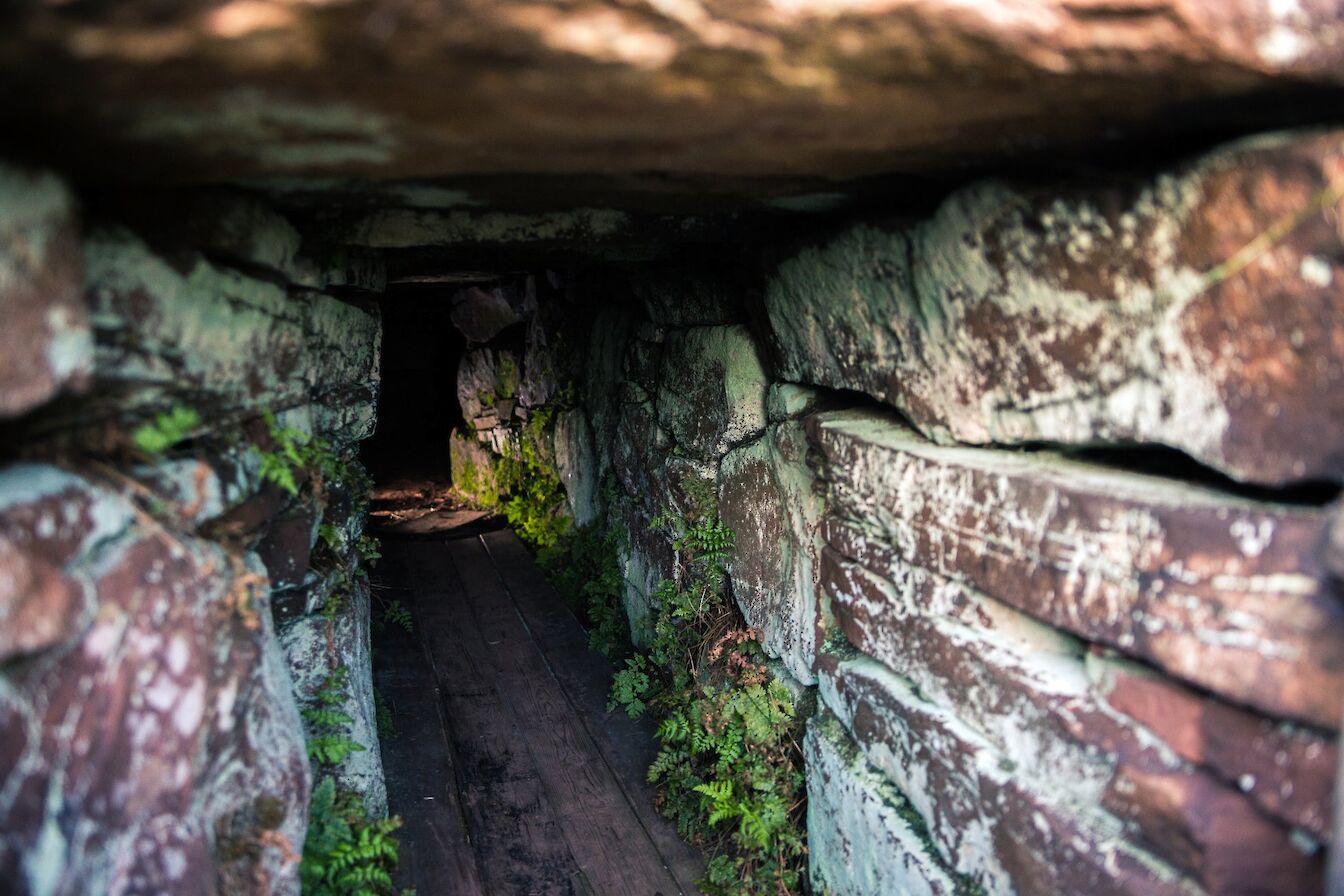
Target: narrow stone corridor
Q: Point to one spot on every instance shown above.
(507, 769)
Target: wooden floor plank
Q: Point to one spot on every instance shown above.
(435, 849)
(603, 830)
(627, 745)
(519, 843)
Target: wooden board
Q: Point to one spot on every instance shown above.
(507, 770)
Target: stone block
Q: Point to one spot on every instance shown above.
(185, 331)
(46, 346)
(711, 395)
(1005, 831)
(863, 837)
(1223, 592)
(576, 462)
(1195, 310)
(768, 497)
(159, 724)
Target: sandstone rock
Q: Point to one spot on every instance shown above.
(601, 380)
(45, 343)
(1026, 689)
(139, 753)
(473, 471)
(540, 378)
(1222, 592)
(287, 545)
(689, 296)
(860, 836)
(202, 333)
(315, 646)
(577, 465)
(487, 378)
(750, 89)
(1288, 771)
(1182, 311)
(768, 497)
(712, 390)
(482, 313)
(786, 401)
(989, 824)
(1214, 833)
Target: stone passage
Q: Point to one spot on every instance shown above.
(1006, 338)
(510, 773)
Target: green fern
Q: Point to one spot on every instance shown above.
(166, 430)
(346, 853)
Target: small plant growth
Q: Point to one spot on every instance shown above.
(584, 566)
(730, 770)
(346, 853)
(327, 744)
(166, 430)
(531, 495)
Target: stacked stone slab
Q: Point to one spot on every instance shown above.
(152, 607)
(1082, 679)
(1043, 667)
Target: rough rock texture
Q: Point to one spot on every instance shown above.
(860, 838)
(1223, 592)
(487, 386)
(1197, 310)
(712, 389)
(1050, 824)
(768, 497)
(183, 330)
(153, 743)
(577, 465)
(329, 639)
(217, 89)
(45, 343)
(481, 313)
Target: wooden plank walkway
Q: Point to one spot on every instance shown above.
(509, 773)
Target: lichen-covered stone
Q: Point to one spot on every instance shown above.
(1029, 691)
(203, 334)
(338, 638)
(45, 341)
(1013, 833)
(1195, 310)
(768, 498)
(576, 463)
(487, 386)
(153, 745)
(711, 393)
(473, 470)
(1226, 593)
(861, 834)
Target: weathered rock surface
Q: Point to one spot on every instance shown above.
(1226, 593)
(1014, 833)
(1026, 689)
(1286, 770)
(577, 465)
(45, 342)
(711, 393)
(769, 499)
(200, 334)
(337, 637)
(152, 744)
(213, 90)
(482, 313)
(859, 836)
(1197, 310)
(487, 386)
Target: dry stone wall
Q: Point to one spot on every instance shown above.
(1042, 668)
(162, 609)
